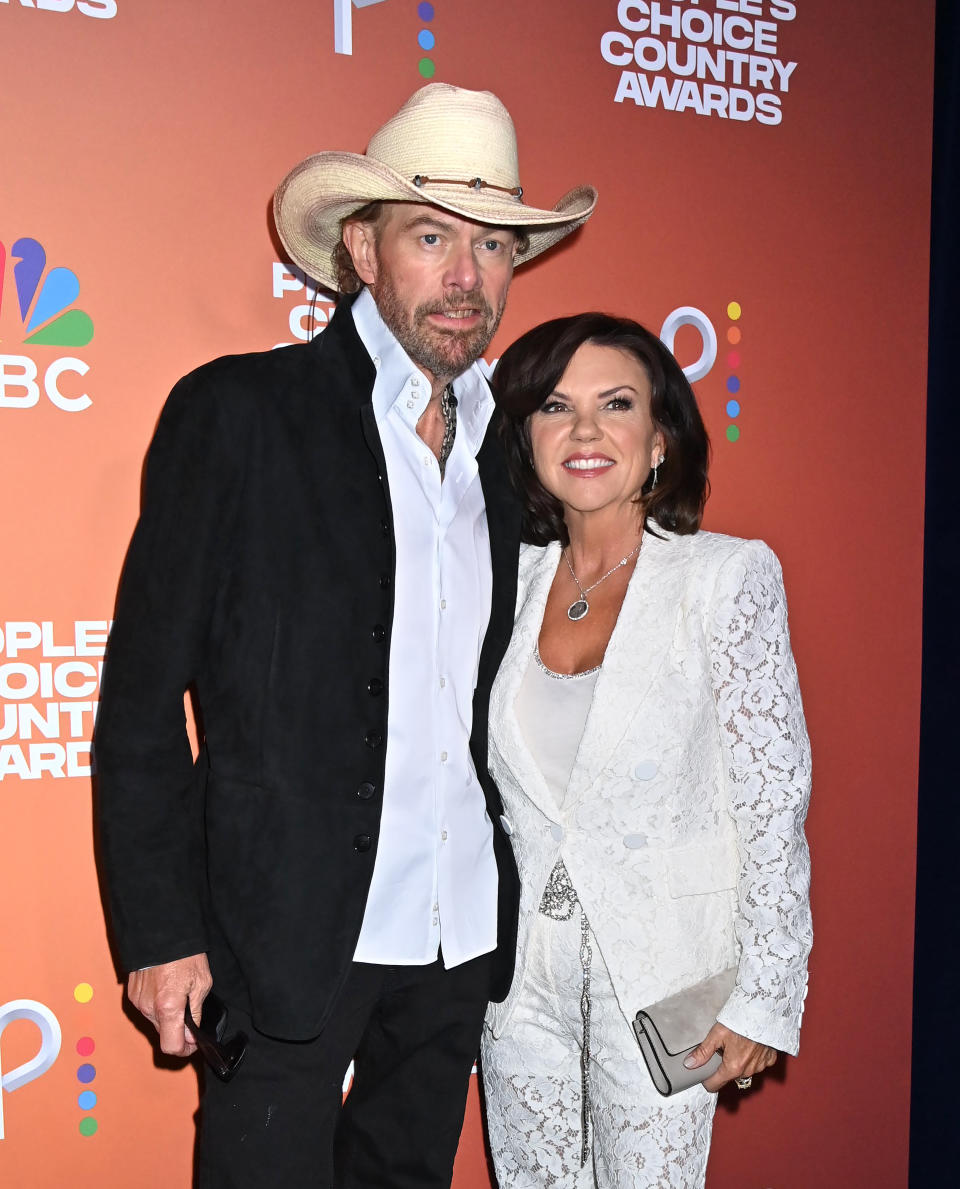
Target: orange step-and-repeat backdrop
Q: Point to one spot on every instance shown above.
(763, 168)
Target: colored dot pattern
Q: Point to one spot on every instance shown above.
(426, 41)
(734, 312)
(87, 1071)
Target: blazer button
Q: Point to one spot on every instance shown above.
(379, 633)
(373, 739)
(385, 581)
(374, 687)
(361, 843)
(366, 790)
(385, 528)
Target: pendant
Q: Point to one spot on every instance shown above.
(578, 609)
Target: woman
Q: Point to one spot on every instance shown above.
(648, 739)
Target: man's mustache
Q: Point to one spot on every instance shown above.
(467, 301)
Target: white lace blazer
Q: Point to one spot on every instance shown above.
(683, 826)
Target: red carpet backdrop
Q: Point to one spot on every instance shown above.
(763, 169)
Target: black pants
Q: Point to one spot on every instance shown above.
(413, 1034)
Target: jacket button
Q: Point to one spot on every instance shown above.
(374, 687)
(366, 791)
(385, 528)
(379, 633)
(385, 581)
(373, 739)
(361, 843)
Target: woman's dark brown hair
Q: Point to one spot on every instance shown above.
(529, 372)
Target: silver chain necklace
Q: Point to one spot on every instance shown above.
(448, 406)
(580, 608)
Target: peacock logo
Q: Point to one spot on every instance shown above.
(48, 318)
(45, 300)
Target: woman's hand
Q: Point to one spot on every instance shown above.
(742, 1058)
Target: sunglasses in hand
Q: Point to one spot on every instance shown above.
(222, 1053)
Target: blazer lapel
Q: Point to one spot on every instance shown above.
(503, 527)
(635, 654)
(537, 568)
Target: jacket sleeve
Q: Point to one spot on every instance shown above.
(149, 792)
(766, 758)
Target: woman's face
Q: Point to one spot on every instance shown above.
(593, 438)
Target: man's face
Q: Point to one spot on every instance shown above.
(440, 282)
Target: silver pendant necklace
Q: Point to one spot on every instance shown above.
(580, 608)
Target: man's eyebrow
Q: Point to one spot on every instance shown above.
(425, 221)
(439, 223)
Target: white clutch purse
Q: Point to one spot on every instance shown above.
(669, 1030)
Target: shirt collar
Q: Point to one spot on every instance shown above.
(395, 370)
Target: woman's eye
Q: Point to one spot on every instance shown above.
(620, 402)
(553, 406)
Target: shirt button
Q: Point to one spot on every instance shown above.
(443, 836)
(426, 459)
(374, 687)
(443, 682)
(361, 843)
(443, 757)
(410, 404)
(376, 361)
(415, 381)
(379, 633)
(366, 790)
(443, 604)
(373, 739)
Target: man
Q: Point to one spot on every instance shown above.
(327, 554)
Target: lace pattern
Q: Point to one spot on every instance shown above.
(534, 1097)
(682, 827)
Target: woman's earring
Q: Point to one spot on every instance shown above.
(656, 469)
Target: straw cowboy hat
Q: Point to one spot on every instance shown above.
(449, 147)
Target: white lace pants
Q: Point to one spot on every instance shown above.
(532, 1076)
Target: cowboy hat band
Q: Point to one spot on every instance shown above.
(449, 147)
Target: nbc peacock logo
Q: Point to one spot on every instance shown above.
(45, 299)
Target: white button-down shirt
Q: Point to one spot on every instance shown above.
(435, 875)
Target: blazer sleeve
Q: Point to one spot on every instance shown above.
(766, 759)
(149, 792)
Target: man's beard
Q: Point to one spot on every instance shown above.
(445, 354)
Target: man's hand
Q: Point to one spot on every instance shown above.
(161, 992)
(742, 1058)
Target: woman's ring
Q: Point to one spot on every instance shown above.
(743, 1083)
